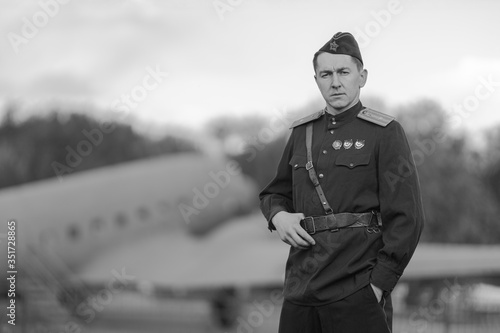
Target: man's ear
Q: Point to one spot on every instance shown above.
(364, 77)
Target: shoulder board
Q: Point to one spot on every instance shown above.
(375, 117)
(307, 119)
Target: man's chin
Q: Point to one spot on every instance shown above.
(339, 106)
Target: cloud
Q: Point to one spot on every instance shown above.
(61, 85)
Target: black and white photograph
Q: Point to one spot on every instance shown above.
(249, 166)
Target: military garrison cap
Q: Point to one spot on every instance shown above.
(342, 43)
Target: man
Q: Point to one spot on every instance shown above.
(346, 198)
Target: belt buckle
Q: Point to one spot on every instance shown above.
(309, 165)
(305, 219)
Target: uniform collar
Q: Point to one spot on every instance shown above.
(335, 121)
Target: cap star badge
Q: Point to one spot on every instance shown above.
(333, 46)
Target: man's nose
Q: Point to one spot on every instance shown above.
(335, 81)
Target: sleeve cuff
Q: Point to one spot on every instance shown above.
(384, 278)
(275, 211)
(271, 226)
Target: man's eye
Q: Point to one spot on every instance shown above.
(325, 75)
(344, 72)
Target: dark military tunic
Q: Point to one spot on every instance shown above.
(362, 167)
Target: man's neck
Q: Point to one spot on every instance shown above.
(331, 110)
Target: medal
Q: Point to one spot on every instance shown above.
(348, 144)
(337, 144)
(359, 144)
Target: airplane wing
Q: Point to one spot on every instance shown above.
(241, 253)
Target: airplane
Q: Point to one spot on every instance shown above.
(126, 240)
(61, 225)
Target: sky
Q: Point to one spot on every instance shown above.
(182, 63)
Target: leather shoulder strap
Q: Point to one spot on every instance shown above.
(375, 117)
(312, 172)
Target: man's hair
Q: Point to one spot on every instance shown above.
(358, 63)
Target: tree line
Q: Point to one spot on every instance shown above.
(59, 144)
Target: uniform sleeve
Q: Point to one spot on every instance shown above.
(400, 207)
(277, 195)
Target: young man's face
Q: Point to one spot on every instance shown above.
(339, 80)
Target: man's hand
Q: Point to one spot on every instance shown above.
(290, 231)
(378, 292)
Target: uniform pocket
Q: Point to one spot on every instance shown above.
(353, 161)
(370, 294)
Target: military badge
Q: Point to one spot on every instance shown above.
(348, 144)
(359, 144)
(337, 144)
(333, 46)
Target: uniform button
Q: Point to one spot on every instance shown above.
(296, 166)
(331, 132)
(320, 175)
(324, 152)
(351, 164)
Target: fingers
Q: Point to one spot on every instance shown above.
(304, 235)
(298, 237)
(377, 291)
(290, 231)
(299, 241)
(293, 239)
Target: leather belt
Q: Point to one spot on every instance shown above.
(334, 222)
